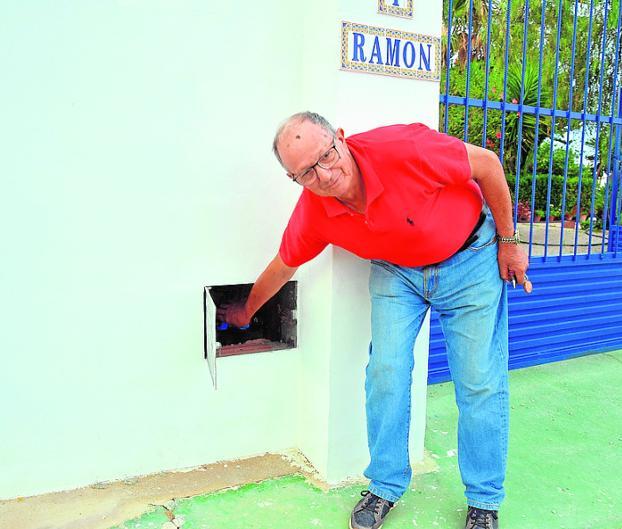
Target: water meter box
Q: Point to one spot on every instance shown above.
(273, 327)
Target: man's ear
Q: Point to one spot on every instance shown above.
(340, 134)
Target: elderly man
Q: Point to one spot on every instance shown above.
(434, 216)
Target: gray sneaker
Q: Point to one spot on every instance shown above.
(370, 512)
(481, 519)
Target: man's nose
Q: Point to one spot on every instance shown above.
(323, 175)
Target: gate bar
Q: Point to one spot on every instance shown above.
(569, 126)
(468, 72)
(529, 109)
(614, 213)
(485, 105)
(614, 93)
(451, 9)
(519, 146)
(555, 85)
(505, 79)
(537, 133)
(597, 144)
(585, 98)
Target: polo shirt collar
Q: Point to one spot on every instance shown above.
(373, 189)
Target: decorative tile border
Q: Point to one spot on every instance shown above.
(385, 51)
(398, 8)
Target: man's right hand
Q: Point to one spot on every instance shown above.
(234, 314)
(276, 274)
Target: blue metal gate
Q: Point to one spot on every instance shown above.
(539, 83)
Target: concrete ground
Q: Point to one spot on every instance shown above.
(103, 505)
(564, 472)
(550, 240)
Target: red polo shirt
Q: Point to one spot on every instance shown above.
(421, 201)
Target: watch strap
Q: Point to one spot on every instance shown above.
(515, 239)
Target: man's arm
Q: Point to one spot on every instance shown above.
(487, 171)
(276, 274)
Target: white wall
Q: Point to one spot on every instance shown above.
(136, 166)
(136, 169)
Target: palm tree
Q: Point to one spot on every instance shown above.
(460, 31)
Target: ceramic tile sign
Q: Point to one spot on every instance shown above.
(398, 8)
(384, 51)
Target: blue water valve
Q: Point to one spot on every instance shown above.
(224, 326)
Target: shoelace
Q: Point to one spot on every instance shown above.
(482, 518)
(370, 504)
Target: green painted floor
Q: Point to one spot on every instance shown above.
(564, 468)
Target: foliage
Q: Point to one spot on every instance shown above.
(524, 211)
(555, 211)
(557, 192)
(522, 127)
(511, 27)
(559, 161)
(565, 75)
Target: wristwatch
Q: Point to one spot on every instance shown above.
(515, 239)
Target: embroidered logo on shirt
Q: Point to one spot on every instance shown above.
(410, 221)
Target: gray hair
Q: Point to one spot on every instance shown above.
(300, 117)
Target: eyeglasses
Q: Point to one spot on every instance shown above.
(326, 161)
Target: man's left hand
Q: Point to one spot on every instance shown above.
(513, 262)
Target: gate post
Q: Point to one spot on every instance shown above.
(615, 235)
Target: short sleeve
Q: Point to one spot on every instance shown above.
(443, 156)
(300, 242)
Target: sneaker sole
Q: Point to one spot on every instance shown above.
(379, 527)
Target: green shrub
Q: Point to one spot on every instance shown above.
(557, 188)
(559, 160)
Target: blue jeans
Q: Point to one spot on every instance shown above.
(471, 300)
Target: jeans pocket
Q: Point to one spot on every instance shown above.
(479, 245)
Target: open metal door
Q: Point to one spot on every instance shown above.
(209, 333)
